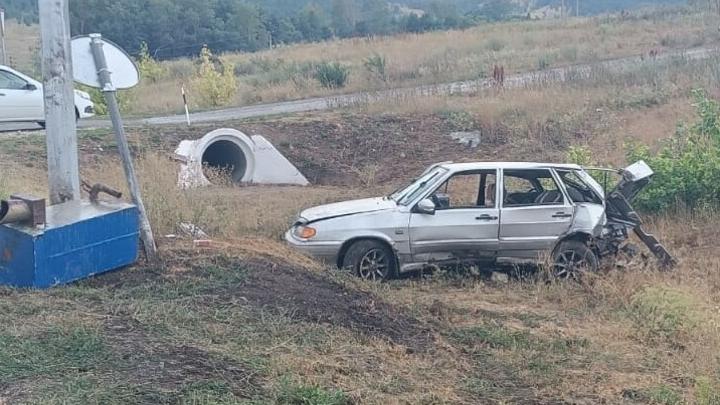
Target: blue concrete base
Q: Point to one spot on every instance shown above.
(79, 240)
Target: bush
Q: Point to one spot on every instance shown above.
(216, 85)
(687, 166)
(332, 75)
(150, 69)
(124, 99)
(376, 65)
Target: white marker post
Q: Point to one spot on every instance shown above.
(2, 35)
(106, 86)
(60, 129)
(187, 112)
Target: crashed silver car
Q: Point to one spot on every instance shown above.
(484, 213)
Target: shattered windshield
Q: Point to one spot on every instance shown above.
(407, 194)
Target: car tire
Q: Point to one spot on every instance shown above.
(371, 260)
(572, 259)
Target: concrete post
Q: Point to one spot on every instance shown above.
(61, 136)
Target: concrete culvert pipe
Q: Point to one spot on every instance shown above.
(245, 159)
(224, 156)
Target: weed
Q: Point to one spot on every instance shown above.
(376, 65)
(332, 75)
(494, 336)
(707, 391)
(460, 120)
(663, 395)
(663, 313)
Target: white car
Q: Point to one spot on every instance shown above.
(482, 212)
(21, 99)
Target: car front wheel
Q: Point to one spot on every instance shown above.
(573, 258)
(371, 260)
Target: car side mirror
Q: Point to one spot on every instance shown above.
(426, 206)
(30, 86)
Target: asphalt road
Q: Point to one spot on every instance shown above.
(542, 77)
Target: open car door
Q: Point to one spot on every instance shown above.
(619, 211)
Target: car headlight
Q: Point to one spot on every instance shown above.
(305, 232)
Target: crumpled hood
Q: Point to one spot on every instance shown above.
(347, 208)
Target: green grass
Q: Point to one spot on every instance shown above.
(58, 350)
(300, 394)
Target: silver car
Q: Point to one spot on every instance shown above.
(482, 213)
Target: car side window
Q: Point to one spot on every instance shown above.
(9, 81)
(577, 189)
(467, 190)
(530, 187)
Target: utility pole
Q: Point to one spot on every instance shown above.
(577, 8)
(60, 128)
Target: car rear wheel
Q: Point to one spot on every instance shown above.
(371, 260)
(572, 259)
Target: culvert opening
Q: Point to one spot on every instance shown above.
(224, 159)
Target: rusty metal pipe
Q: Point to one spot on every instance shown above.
(12, 211)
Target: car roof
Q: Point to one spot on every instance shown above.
(506, 165)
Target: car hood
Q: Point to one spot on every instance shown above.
(347, 208)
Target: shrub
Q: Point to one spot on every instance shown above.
(216, 85)
(150, 69)
(460, 120)
(664, 313)
(687, 166)
(124, 100)
(376, 65)
(332, 75)
(580, 155)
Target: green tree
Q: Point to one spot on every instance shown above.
(312, 23)
(343, 16)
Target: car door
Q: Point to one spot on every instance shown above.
(535, 212)
(465, 223)
(19, 101)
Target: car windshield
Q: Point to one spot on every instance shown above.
(407, 194)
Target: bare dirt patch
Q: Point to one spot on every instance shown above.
(315, 298)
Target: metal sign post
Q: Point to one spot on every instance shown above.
(109, 91)
(61, 136)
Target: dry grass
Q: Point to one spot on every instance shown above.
(286, 73)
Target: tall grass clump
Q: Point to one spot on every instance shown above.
(332, 75)
(376, 65)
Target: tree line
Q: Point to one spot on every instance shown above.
(173, 28)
